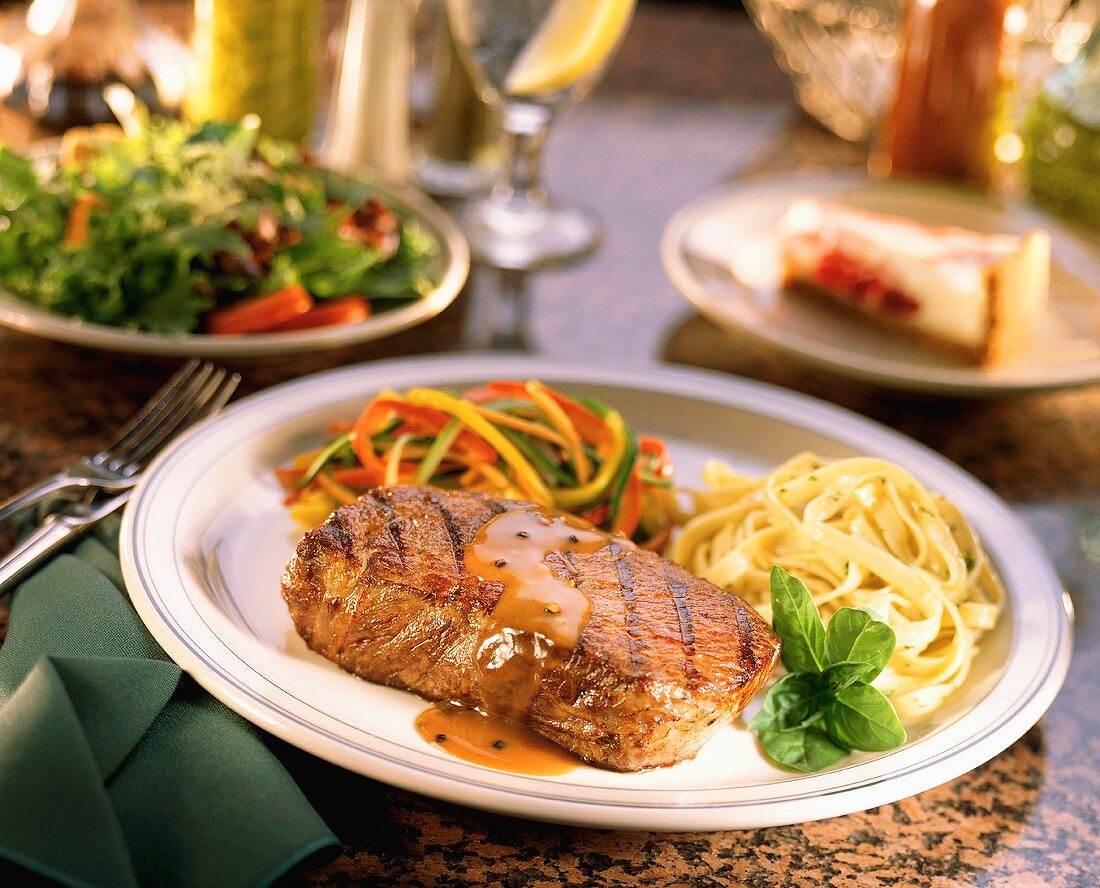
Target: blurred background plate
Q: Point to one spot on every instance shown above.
(721, 252)
(450, 269)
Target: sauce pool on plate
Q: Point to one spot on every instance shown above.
(492, 741)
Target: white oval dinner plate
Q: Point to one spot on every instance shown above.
(206, 535)
(721, 251)
(449, 268)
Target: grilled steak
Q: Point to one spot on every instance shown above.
(663, 658)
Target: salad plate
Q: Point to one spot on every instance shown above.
(447, 269)
(722, 252)
(206, 537)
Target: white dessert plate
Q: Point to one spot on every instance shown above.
(448, 269)
(205, 538)
(721, 251)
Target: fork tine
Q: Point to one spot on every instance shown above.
(171, 422)
(194, 392)
(220, 391)
(166, 412)
(212, 392)
(218, 402)
(136, 427)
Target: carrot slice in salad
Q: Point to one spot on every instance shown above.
(259, 314)
(349, 310)
(80, 218)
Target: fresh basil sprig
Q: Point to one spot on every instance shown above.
(825, 706)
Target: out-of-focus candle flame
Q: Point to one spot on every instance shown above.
(11, 63)
(122, 102)
(167, 61)
(1015, 20)
(171, 83)
(50, 16)
(1008, 148)
(802, 215)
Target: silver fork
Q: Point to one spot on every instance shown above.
(115, 468)
(180, 404)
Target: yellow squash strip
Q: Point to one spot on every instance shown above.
(552, 409)
(414, 451)
(312, 508)
(525, 475)
(393, 461)
(304, 460)
(579, 496)
(335, 489)
(522, 425)
(498, 479)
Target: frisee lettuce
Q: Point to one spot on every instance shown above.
(171, 199)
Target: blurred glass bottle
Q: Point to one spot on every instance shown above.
(257, 57)
(368, 120)
(952, 111)
(456, 134)
(1062, 139)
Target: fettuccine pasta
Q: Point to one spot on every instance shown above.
(859, 532)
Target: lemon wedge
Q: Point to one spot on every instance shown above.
(575, 39)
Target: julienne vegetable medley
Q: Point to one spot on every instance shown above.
(213, 228)
(515, 440)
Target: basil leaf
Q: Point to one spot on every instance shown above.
(861, 717)
(841, 675)
(788, 703)
(797, 623)
(804, 749)
(854, 636)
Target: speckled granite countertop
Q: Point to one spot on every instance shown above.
(693, 99)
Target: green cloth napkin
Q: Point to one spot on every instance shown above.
(115, 770)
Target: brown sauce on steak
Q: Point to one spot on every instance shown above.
(538, 619)
(492, 741)
(533, 629)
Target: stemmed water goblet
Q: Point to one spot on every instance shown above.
(533, 58)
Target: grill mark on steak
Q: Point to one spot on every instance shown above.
(454, 535)
(380, 496)
(393, 524)
(744, 630)
(626, 587)
(496, 506)
(678, 593)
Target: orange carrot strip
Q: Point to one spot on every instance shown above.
(260, 313)
(351, 310)
(79, 220)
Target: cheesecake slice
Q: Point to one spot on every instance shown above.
(978, 296)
